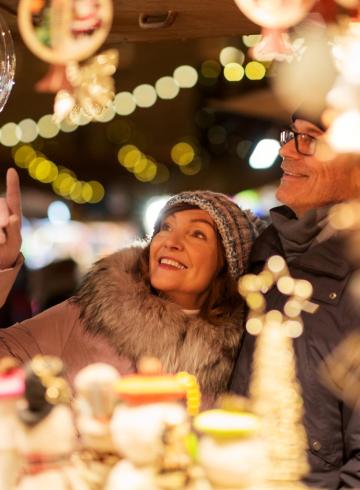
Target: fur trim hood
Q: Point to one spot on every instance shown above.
(113, 302)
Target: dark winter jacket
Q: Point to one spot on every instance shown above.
(333, 429)
(116, 318)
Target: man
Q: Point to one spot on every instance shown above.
(301, 234)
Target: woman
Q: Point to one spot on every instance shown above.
(175, 299)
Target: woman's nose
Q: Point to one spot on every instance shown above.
(174, 240)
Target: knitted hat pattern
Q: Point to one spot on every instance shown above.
(238, 228)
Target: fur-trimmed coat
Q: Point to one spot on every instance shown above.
(116, 318)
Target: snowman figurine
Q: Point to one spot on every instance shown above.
(47, 437)
(94, 405)
(150, 429)
(11, 389)
(230, 450)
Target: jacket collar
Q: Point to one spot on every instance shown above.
(326, 258)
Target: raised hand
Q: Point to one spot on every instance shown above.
(10, 221)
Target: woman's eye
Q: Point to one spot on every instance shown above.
(199, 234)
(165, 226)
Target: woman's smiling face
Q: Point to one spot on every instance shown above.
(185, 256)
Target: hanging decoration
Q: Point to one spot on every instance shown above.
(65, 33)
(275, 17)
(7, 63)
(343, 99)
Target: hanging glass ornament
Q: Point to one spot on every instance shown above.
(7, 63)
(65, 33)
(275, 17)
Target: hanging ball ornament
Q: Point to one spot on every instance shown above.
(275, 14)
(7, 63)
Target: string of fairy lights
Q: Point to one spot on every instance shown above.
(231, 65)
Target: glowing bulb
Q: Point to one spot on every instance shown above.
(264, 154)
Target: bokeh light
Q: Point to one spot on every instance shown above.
(106, 114)
(128, 156)
(182, 153)
(233, 72)
(10, 134)
(210, 69)
(167, 88)
(67, 126)
(192, 168)
(28, 129)
(98, 191)
(186, 76)
(47, 127)
(58, 212)
(124, 103)
(145, 95)
(152, 211)
(217, 135)
(264, 154)
(254, 70)
(23, 155)
(230, 54)
(251, 40)
(118, 131)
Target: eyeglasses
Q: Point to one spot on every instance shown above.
(304, 143)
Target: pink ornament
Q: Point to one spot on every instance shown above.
(275, 14)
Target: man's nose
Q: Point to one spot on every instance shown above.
(289, 150)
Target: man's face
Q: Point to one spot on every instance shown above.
(309, 182)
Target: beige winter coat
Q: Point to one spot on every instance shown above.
(115, 318)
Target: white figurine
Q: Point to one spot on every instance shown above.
(48, 437)
(150, 431)
(230, 450)
(11, 389)
(94, 405)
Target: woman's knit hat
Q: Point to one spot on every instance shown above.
(237, 228)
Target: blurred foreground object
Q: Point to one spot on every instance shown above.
(11, 390)
(275, 17)
(63, 33)
(7, 63)
(48, 436)
(94, 406)
(231, 447)
(151, 429)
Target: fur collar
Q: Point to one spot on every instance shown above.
(137, 322)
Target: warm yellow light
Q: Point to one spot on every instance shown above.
(47, 127)
(87, 192)
(230, 54)
(192, 168)
(145, 95)
(98, 191)
(106, 115)
(23, 156)
(75, 193)
(68, 126)
(149, 172)
(28, 130)
(251, 40)
(33, 166)
(129, 155)
(182, 153)
(140, 164)
(167, 88)
(255, 70)
(46, 171)
(10, 134)
(233, 72)
(186, 76)
(124, 103)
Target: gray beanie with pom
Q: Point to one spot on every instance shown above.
(237, 228)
